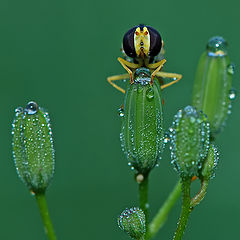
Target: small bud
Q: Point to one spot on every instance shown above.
(210, 164)
(212, 91)
(33, 151)
(189, 141)
(132, 221)
(142, 125)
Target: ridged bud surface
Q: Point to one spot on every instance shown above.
(189, 141)
(132, 221)
(210, 163)
(33, 147)
(212, 91)
(142, 132)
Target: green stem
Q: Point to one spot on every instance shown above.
(42, 204)
(143, 196)
(199, 197)
(163, 212)
(182, 223)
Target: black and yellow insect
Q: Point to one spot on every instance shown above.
(142, 131)
(143, 45)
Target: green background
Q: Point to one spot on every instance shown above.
(59, 54)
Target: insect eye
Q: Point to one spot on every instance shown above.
(128, 43)
(155, 42)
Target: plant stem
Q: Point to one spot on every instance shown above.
(42, 204)
(199, 197)
(143, 196)
(182, 223)
(162, 213)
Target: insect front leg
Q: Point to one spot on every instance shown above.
(127, 65)
(159, 66)
(175, 76)
(111, 80)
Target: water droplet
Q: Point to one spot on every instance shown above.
(31, 108)
(192, 119)
(232, 94)
(18, 110)
(189, 110)
(150, 94)
(140, 88)
(121, 112)
(166, 140)
(231, 69)
(217, 47)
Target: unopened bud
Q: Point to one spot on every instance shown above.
(189, 139)
(142, 125)
(212, 91)
(33, 147)
(132, 221)
(210, 164)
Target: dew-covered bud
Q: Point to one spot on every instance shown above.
(210, 163)
(189, 141)
(212, 90)
(33, 151)
(142, 131)
(132, 221)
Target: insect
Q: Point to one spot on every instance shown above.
(142, 132)
(142, 44)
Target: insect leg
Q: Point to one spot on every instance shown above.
(127, 65)
(160, 64)
(116, 78)
(155, 65)
(169, 75)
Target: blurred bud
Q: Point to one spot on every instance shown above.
(132, 221)
(210, 163)
(212, 90)
(33, 147)
(189, 141)
(142, 131)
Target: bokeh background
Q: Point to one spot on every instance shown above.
(59, 54)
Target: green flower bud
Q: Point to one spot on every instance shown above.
(210, 163)
(142, 132)
(132, 221)
(33, 151)
(189, 141)
(212, 91)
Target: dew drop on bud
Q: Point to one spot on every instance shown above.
(230, 69)
(18, 110)
(31, 108)
(150, 94)
(232, 94)
(166, 140)
(217, 47)
(121, 112)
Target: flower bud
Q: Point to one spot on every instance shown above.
(189, 141)
(142, 131)
(132, 221)
(33, 151)
(210, 163)
(212, 90)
